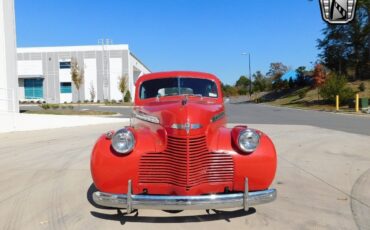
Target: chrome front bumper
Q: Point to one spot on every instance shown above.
(163, 202)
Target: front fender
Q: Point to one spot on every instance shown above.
(259, 166)
(111, 171)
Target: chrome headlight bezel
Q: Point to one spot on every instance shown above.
(253, 139)
(123, 141)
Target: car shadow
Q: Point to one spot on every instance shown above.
(123, 217)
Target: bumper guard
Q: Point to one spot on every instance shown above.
(163, 202)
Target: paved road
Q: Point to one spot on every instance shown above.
(266, 114)
(323, 180)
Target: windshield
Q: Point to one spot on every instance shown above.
(178, 86)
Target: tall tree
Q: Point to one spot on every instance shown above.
(242, 84)
(277, 70)
(346, 48)
(301, 76)
(77, 75)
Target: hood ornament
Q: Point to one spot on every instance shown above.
(185, 100)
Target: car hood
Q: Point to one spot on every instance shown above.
(176, 115)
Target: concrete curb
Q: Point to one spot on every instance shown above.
(13, 122)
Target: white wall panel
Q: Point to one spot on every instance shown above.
(65, 75)
(115, 66)
(30, 67)
(90, 77)
(65, 97)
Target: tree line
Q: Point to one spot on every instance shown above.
(344, 55)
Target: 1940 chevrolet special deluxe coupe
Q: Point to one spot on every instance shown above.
(178, 154)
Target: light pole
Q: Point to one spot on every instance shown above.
(250, 72)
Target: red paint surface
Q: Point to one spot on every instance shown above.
(189, 167)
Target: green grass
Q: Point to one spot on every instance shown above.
(311, 100)
(71, 112)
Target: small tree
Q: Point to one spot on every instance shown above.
(122, 85)
(243, 85)
(92, 91)
(127, 97)
(319, 77)
(260, 83)
(77, 75)
(229, 90)
(301, 76)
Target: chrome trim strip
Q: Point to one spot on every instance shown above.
(186, 126)
(163, 202)
(218, 116)
(146, 117)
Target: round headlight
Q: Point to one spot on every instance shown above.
(248, 140)
(123, 141)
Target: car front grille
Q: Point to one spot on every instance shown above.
(186, 163)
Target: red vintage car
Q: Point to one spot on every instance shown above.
(178, 154)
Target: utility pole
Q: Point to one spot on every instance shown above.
(250, 73)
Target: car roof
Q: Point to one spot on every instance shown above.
(195, 74)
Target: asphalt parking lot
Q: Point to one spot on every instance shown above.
(323, 180)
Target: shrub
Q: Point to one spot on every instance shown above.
(70, 107)
(362, 87)
(86, 101)
(54, 106)
(63, 107)
(336, 85)
(79, 102)
(114, 101)
(127, 97)
(65, 102)
(45, 106)
(98, 101)
(302, 94)
(242, 91)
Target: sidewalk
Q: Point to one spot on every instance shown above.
(10, 122)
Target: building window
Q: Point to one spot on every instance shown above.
(33, 88)
(64, 65)
(65, 87)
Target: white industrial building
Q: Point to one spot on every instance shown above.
(8, 67)
(44, 73)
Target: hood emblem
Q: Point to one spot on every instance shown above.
(187, 126)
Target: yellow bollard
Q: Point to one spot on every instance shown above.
(337, 102)
(357, 103)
